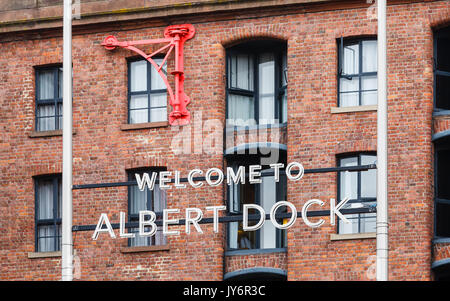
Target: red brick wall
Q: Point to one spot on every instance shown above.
(102, 152)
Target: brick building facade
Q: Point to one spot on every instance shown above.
(320, 131)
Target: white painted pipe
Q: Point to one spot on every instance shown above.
(67, 243)
(382, 159)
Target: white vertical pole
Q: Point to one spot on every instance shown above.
(67, 244)
(382, 183)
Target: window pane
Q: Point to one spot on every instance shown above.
(45, 199)
(350, 228)
(368, 223)
(158, 99)
(234, 192)
(368, 83)
(349, 85)
(58, 237)
(369, 56)
(160, 239)
(139, 241)
(443, 92)
(348, 180)
(266, 88)
(349, 89)
(46, 124)
(46, 84)
(368, 178)
(157, 82)
(266, 109)
(369, 90)
(138, 200)
(268, 198)
(233, 235)
(159, 200)
(59, 209)
(241, 110)
(139, 116)
(139, 101)
(349, 99)
(246, 239)
(46, 118)
(237, 238)
(443, 49)
(351, 59)
(60, 118)
(284, 108)
(369, 98)
(60, 83)
(46, 238)
(442, 220)
(282, 188)
(241, 75)
(138, 76)
(443, 174)
(157, 115)
(46, 110)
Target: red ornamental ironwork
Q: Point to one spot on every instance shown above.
(174, 37)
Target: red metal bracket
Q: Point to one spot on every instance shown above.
(174, 36)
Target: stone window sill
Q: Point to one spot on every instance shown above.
(39, 134)
(140, 126)
(340, 110)
(32, 255)
(336, 237)
(144, 249)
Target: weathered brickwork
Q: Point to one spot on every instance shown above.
(103, 152)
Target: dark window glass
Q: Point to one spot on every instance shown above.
(153, 200)
(443, 50)
(442, 219)
(48, 213)
(442, 189)
(442, 69)
(257, 81)
(442, 92)
(49, 98)
(443, 174)
(147, 93)
(360, 188)
(266, 195)
(357, 72)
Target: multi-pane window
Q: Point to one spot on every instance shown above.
(48, 213)
(153, 200)
(256, 84)
(265, 195)
(357, 73)
(442, 69)
(442, 189)
(49, 98)
(147, 93)
(360, 188)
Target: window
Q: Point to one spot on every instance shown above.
(256, 84)
(49, 98)
(153, 200)
(266, 195)
(147, 94)
(442, 189)
(442, 70)
(48, 213)
(360, 187)
(357, 78)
